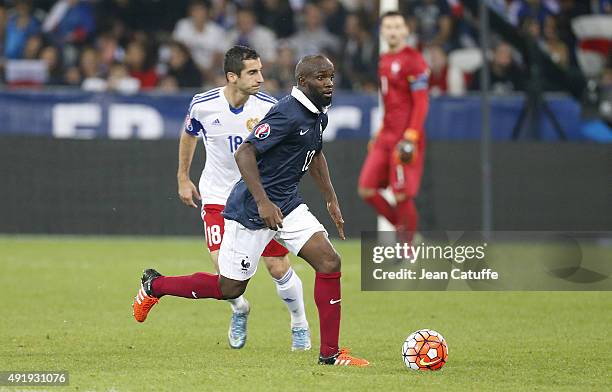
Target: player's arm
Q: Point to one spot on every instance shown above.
(420, 106)
(246, 159)
(320, 173)
(186, 189)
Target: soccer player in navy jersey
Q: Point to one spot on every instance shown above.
(265, 205)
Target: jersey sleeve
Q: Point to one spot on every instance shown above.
(193, 126)
(418, 75)
(270, 131)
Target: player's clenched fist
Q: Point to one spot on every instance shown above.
(407, 147)
(187, 192)
(270, 214)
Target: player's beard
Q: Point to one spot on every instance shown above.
(325, 101)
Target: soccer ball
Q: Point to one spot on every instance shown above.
(425, 349)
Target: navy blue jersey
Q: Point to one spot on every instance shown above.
(286, 141)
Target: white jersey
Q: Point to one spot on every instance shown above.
(223, 129)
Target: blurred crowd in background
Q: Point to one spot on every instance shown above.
(168, 45)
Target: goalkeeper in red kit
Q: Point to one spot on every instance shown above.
(395, 156)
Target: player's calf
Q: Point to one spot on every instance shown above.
(231, 288)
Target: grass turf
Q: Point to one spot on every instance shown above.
(66, 306)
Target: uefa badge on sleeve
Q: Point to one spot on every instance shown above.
(188, 124)
(262, 131)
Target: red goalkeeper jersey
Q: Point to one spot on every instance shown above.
(403, 84)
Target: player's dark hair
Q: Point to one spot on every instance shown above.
(392, 13)
(305, 65)
(235, 57)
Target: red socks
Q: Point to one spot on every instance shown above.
(407, 219)
(327, 298)
(196, 286)
(382, 206)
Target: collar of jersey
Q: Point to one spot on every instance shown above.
(231, 108)
(303, 99)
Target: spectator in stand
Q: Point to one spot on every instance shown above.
(109, 49)
(568, 10)
(119, 80)
(70, 22)
(538, 9)
(508, 8)
(20, 26)
(33, 46)
(51, 56)
(335, 16)
(223, 13)
(182, 68)
(432, 21)
(531, 27)
(277, 15)
(126, 17)
(249, 33)
(359, 48)
(314, 37)
(505, 74)
(557, 49)
(280, 76)
(205, 39)
(140, 65)
(443, 79)
(91, 70)
(601, 6)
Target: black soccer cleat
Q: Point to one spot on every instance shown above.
(148, 276)
(343, 358)
(144, 300)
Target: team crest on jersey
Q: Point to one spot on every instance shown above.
(262, 131)
(395, 67)
(251, 122)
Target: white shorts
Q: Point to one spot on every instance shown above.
(241, 247)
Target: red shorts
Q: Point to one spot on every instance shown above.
(214, 227)
(381, 169)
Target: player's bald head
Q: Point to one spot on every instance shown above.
(309, 65)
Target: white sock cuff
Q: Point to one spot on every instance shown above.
(286, 278)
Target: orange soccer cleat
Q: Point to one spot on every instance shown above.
(144, 300)
(343, 358)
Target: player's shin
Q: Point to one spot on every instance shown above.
(407, 219)
(289, 289)
(196, 286)
(327, 298)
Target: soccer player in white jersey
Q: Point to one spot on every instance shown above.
(224, 117)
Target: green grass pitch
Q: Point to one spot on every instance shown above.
(66, 306)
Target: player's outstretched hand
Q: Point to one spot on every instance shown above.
(187, 192)
(270, 214)
(334, 211)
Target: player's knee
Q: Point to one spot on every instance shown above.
(277, 266)
(231, 289)
(331, 262)
(366, 193)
